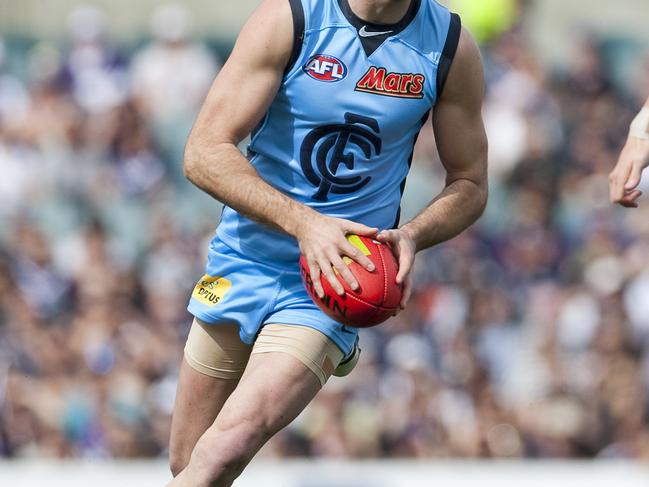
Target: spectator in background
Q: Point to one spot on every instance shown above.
(171, 75)
(14, 99)
(170, 78)
(16, 164)
(97, 71)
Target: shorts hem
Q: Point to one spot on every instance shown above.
(210, 320)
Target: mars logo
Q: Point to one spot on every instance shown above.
(401, 85)
(324, 150)
(325, 68)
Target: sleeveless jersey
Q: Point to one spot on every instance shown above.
(339, 134)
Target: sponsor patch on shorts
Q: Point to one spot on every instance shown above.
(210, 290)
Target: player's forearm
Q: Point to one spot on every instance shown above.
(456, 208)
(226, 175)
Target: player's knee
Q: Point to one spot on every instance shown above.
(223, 453)
(177, 462)
(180, 452)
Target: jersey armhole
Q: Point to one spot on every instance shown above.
(448, 53)
(298, 33)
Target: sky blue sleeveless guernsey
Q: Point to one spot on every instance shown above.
(340, 132)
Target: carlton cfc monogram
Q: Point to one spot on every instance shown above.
(329, 143)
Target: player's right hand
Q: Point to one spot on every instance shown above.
(323, 242)
(625, 178)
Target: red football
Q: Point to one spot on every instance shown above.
(378, 295)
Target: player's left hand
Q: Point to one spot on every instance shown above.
(404, 249)
(625, 177)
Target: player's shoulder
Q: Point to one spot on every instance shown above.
(267, 35)
(275, 13)
(465, 80)
(467, 48)
(467, 64)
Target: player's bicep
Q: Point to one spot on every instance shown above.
(249, 80)
(457, 117)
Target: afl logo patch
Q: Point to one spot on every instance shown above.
(325, 68)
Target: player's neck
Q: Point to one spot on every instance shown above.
(380, 11)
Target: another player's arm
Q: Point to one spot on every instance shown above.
(462, 145)
(625, 177)
(238, 99)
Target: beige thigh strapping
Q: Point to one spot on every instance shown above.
(308, 345)
(217, 351)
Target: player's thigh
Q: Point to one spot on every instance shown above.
(278, 383)
(214, 361)
(288, 366)
(275, 388)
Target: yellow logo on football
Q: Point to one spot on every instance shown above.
(210, 290)
(358, 243)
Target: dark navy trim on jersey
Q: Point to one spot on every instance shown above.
(372, 43)
(297, 9)
(448, 53)
(402, 187)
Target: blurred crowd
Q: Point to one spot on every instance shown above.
(527, 336)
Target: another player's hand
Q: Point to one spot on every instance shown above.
(625, 178)
(323, 242)
(404, 249)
